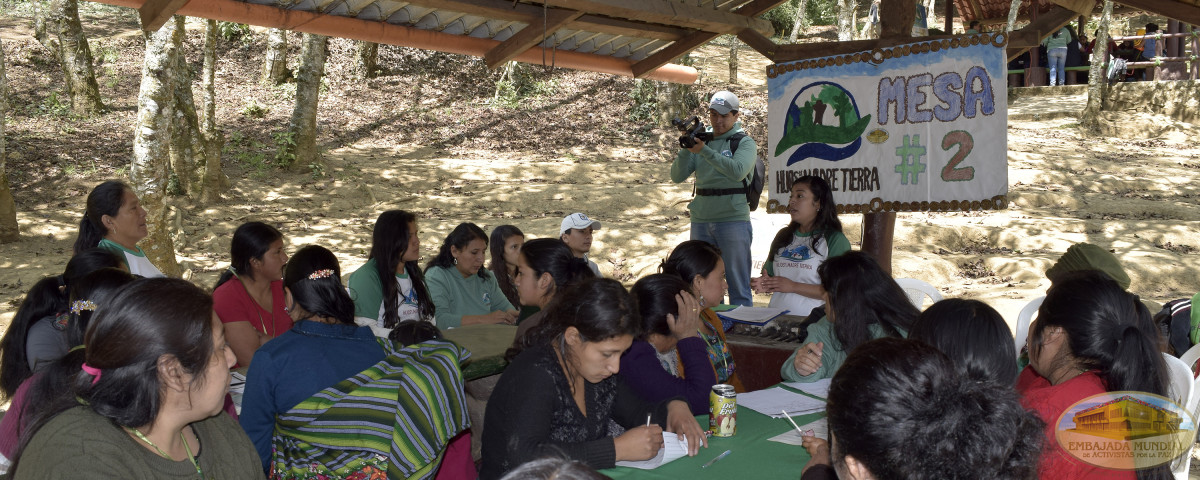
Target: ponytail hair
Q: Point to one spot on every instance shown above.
(1108, 330)
(250, 241)
(103, 200)
(459, 238)
(599, 308)
(315, 280)
(826, 222)
(690, 259)
(498, 266)
(547, 255)
(389, 241)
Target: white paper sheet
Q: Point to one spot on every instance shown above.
(819, 388)
(752, 315)
(820, 429)
(773, 401)
(673, 449)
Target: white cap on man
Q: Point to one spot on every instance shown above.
(723, 102)
(577, 220)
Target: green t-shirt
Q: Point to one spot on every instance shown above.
(367, 292)
(454, 296)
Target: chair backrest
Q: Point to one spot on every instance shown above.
(917, 290)
(1182, 390)
(1024, 319)
(1191, 356)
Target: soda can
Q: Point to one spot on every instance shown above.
(722, 411)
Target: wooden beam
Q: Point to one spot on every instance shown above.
(596, 23)
(529, 36)
(671, 12)
(1045, 25)
(155, 13)
(759, 43)
(690, 42)
(804, 51)
(1078, 6)
(1186, 12)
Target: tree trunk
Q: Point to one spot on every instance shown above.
(801, 24)
(56, 26)
(1089, 119)
(845, 23)
(302, 129)
(151, 143)
(733, 60)
(214, 140)
(1012, 15)
(9, 230)
(367, 56)
(186, 143)
(45, 27)
(275, 69)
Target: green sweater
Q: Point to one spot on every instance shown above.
(1061, 41)
(79, 443)
(832, 354)
(716, 167)
(454, 296)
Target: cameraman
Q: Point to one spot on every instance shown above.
(720, 214)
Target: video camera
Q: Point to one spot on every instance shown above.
(692, 130)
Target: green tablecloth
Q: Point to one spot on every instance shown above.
(753, 456)
(487, 344)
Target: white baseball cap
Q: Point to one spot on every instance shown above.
(723, 102)
(577, 220)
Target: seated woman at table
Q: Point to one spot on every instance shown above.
(115, 220)
(390, 287)
(463, 292)
(900, 409)
(505, 246)
(699, 264)
(973, 335)
(545, 267)
(561, 393)
(323, 347)
(862, 303)
(669, 359)
(249, 294)
(813, 236)
(1090, 337)
(146, 402)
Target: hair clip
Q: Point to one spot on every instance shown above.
(323, 273)
(82, 306)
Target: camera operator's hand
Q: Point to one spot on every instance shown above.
(697, 147)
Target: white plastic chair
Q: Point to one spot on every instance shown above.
(1181, 466)
(917, 290)
(1191, 356)
(1024, 319)
(1182, 390)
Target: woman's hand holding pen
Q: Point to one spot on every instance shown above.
(808, 358)
(641, 443)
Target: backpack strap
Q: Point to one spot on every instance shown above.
(734, 140)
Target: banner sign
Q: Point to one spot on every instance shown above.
(917, 127)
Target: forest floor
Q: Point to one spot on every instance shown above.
(427, 135)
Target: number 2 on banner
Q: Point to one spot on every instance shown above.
(965, 143)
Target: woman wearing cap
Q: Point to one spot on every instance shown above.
(720, 214)
(576, 231)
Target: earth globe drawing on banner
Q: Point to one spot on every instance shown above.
(823, 120)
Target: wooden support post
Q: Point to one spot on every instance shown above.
(878, 231)
(949, 23)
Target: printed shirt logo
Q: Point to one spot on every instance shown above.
(410, 297)
(798, 254)
(487, 298)
(727, 153)
(1125, 430)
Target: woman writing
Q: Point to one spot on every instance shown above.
(813, 236)
(146, 402)
(700, 265)
(249, 295)
(115, 220)
(390, 288)
(463, 292)
(862, 303)
(544, 268)
(561, 393)
(1090, 337)
(669, 359)
(323, 347)
(505, 246)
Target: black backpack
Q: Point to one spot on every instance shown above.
(757, 177)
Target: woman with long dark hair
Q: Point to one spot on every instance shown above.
(973, 335)
(249, 295)
(545, 267)
(147, 399)
(115, 220)
(813, 236)
(390, 287)
(323, 347)
(1090, 337)
(463, 292)
(37, 335)
(505, 246)
(862, 303)
(561, 393)
(700, 265)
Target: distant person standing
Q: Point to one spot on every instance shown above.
(973, 27)
(720, 213)
(1056, 52)
(576, 232)
(1150, 43)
